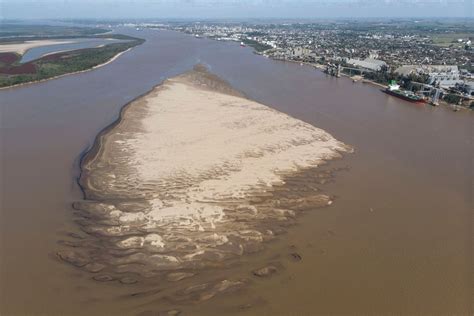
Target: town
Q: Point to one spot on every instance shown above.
(431, 58)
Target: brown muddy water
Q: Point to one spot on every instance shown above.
(396, 240)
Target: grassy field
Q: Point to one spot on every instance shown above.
(448, 39)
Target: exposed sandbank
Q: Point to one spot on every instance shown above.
(192, 174)
(22, 48)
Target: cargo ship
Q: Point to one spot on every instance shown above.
(394, 90)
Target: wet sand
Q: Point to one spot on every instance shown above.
(191, 176)
(396, 240)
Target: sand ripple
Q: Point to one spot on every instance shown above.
(193, 174)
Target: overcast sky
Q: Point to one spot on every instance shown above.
(40, 9)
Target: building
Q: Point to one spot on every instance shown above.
(467, 87)
(368, 63)
(446, 76)
(300, 52)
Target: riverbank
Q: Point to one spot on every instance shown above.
(55, 65)
(322, 67)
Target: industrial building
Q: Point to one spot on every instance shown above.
(368, 63)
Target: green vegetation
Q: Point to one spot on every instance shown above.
(468, 66)
(68, 62)
(407, 82)
(259, 47)
(452, 98)
(382, 76)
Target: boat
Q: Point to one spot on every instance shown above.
(242, 44)
(393, 89)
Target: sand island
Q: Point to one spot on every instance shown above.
(191, 174)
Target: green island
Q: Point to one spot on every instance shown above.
(14, 72)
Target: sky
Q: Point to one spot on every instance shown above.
(47, 9)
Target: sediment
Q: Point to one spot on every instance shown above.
(191, 175)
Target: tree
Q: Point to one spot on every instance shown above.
(452, 98)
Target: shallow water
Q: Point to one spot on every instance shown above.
(397, 239)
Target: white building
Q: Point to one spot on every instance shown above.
(368, 63)
(446, 76)
(300, 51)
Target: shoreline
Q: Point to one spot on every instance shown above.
(377, 84)
(69, 73)
(90, 153)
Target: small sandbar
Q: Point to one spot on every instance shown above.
(21, 48)
(192, 174)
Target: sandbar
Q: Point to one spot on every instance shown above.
(23, 47)
(194, 173)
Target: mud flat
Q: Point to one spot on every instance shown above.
(191, 175)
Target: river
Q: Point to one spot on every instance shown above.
(398, 238)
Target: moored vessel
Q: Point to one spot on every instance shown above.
(393, 89)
